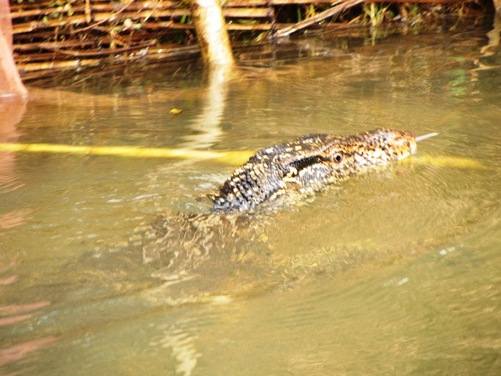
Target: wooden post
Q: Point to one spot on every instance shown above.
(497, 5)
(211, 33)
(10, 82)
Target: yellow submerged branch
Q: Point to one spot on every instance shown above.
(232, 157)
(227, 157)
(447, 161)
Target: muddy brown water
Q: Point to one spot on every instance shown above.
(394, 272)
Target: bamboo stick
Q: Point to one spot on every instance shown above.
(155, 54)
(229, 26)
(44, 8)
(157, 18)
(165, 4)
(101, 18)
(56, 65)
(338, 8)
(104, 51)
(112, 17)
(88, 12)
(53, 45)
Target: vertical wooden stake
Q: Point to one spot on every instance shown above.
(211, 33)
(10, 82)
(497, 5)
(88, 16)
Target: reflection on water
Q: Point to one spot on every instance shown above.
(394, 272)
(12, 111)
(19, 351)
(182, 346)
(208, 123)
(494, 38)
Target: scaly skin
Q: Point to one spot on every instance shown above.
(283, 173)
(307, 165)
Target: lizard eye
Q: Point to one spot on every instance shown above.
(338, 158)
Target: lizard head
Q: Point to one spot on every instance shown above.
(351, 155)
(308, 164)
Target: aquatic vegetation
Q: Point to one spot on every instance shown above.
(376, 14)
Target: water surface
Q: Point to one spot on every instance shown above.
(394, 272)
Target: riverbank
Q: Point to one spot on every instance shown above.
(76, 34)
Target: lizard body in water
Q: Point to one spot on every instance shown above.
(276, 176)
